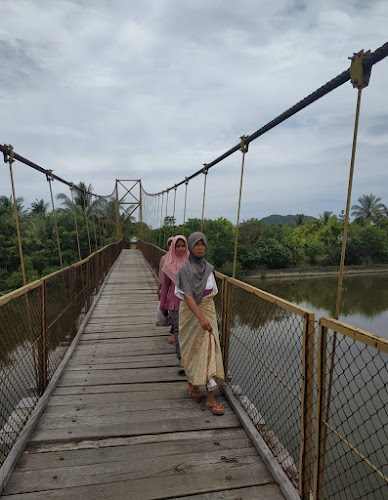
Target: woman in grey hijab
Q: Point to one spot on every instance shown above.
(199, 340)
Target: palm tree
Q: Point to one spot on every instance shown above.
(6, 204)
(298, 220)
(325, 216)
(39, 207)
(81, 197)
(369, 210)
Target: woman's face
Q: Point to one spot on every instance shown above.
(199, 249)
(180, 248)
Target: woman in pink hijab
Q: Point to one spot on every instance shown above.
(159, 290)
(177, 254)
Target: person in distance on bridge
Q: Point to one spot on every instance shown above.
(176, 256)
(159, 290)
(198, 331)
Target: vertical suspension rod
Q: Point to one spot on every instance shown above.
(49, 179)
(205, 171)
(244, 149)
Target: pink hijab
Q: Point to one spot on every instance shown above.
(173, 262)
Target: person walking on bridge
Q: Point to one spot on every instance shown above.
(177, 255)
(159, 290)
(198, 331)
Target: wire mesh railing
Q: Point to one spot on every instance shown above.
(352, 414)
(322, 408)
(37, 324)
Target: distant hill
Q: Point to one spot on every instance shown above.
(283, 220)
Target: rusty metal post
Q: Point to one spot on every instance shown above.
(88, 285)
(119, 231)
(305, 462)
(73, 299)
(140, 211)
(320, 415)
(226, 322)
(42, 343)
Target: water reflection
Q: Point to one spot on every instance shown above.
(265, 367)
(364, 298)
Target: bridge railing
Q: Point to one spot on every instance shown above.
(37, 324)
(351, 436)
(316, 392)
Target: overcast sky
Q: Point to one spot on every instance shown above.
(97, 90)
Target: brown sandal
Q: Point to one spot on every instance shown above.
(194, 392)
(216, 409)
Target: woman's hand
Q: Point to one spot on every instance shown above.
(205, 324)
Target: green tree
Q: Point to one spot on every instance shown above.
(367, 245)
(298, 220)
(39, 207)
(325, 217)
(369, 210)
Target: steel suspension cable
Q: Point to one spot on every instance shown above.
(6, 150)
(368, 61)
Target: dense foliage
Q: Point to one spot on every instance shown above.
(304, 242)
(38, 235)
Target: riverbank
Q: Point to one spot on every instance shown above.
(269, 274)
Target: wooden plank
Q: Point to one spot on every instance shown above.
(137, 360)
(114, 397)
(80, 412)
(112, 388)
(219, 436)
(141, 361)
(121, 424)
(119, 332)
(262, 492)
(36, 460)
(127, 376)
(71, 418)
(130, 467)
(104, 428)
(165, 485)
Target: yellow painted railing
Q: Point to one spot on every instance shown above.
(37, 324)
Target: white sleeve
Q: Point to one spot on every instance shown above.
(178, 292)
(211, 284)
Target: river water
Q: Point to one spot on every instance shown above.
(364, 301)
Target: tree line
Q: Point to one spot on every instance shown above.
(303, 243)
(38, 235)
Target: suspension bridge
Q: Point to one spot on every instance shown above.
(92, 405)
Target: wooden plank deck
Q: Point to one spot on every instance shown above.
(120, 424)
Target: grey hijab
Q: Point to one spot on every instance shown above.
(193, 274)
